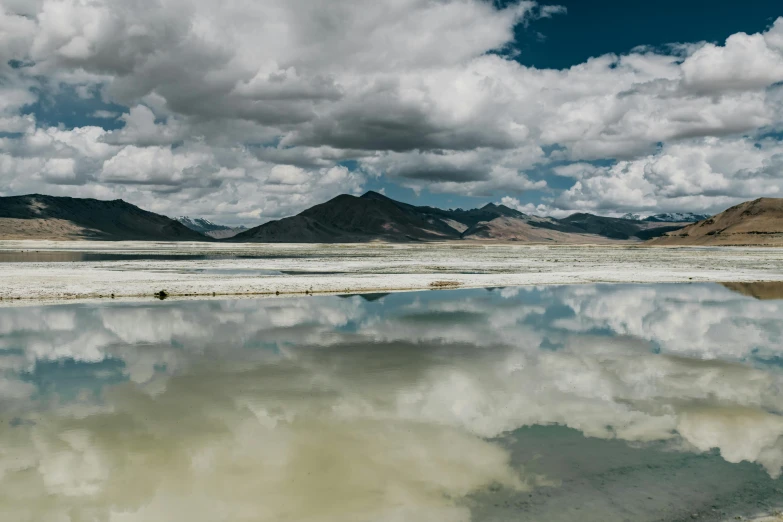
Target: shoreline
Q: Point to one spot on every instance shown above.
(258, 270)
(147, 298)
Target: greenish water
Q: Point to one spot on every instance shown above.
(563, 403)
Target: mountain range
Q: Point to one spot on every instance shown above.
(669, 217)
(208, 228)
(373, 216)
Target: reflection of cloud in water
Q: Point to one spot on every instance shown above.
(694, 320)
(263, 443)
(344, 409)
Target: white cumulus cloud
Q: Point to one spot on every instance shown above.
(219, 95)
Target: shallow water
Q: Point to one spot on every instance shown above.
(573, 403)
(66, 256)
(75, 257)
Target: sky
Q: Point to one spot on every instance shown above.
(244, 111)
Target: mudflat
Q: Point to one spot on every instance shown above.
(142, 269)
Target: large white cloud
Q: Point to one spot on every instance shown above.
(745, 62)
(218, 94)
(706, 174)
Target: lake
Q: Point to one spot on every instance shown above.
(558, 403)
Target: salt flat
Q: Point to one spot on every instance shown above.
(281, 269)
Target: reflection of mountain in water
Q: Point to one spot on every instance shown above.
(552, 403)
(760, 290)
(367, 297)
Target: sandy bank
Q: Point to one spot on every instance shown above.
(290, 269)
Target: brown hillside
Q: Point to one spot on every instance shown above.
(516, 229)
(758, 222)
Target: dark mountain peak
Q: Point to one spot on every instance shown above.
(509, 210)
(347, 218)
(341, 201)
(500, 210)
(60, 217)
(579, 215)
(371, 194)
(343, 197)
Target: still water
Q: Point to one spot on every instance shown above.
(572, 403)
(67, 256)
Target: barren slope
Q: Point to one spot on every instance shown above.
(757, 222)
(516, 229)
(37, 216)
(350, 219)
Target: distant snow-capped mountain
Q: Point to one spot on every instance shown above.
(677, 217)
(209, 228)
(669, 217)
